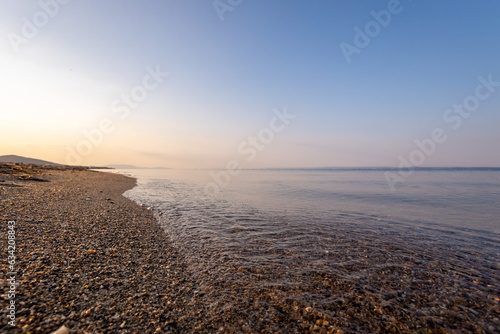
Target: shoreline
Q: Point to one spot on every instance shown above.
(94, 261)
(87, 257)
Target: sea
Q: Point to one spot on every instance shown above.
(309, 237)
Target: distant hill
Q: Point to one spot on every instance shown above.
(24, 160)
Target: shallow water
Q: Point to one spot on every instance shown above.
(313, 242)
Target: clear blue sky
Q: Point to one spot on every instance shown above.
(227, 76)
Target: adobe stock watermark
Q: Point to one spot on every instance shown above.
(12, 273)
(223, 6)
(363, 37)
(453, 119)
(31, 26)
(249, 150)
(122, 107)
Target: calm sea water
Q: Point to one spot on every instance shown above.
(276, 228)
(459, 200)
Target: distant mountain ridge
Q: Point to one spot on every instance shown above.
(24, 160)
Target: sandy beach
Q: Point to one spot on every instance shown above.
(93, 261)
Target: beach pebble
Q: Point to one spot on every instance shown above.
(62, 330)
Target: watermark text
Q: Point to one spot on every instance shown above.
(11, 275)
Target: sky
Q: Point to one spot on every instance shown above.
(257, 84)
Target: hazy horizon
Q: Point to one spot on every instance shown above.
(133, 166)
(202, 85)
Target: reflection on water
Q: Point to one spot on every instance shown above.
(337, 248)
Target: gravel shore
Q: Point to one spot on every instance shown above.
(89, 260)
(86, 257)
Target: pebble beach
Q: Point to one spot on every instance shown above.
(89, 260)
